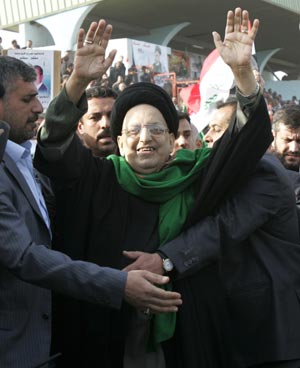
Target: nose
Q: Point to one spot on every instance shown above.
(145, 134)
(294, 146)
(181, 141)
(37, 107)
(104, 122)
(208, 139)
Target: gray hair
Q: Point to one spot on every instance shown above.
(12, 69)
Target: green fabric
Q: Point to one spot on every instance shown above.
(173, 189)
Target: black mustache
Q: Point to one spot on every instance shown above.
(296, 154)
(104, 134)
(33, 119)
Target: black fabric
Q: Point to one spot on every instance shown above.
(283, 364)
(202, 337)
(143, 93)
(231, 162)
(204, 311)
(96, 225)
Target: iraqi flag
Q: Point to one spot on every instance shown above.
(216, 81)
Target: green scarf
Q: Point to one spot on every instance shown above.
(172, 187)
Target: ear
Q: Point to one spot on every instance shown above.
(171, 141)
(273, 142)
(80, 127)
(120, 144)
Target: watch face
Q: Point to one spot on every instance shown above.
(168, 265)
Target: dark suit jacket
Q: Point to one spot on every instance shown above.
(295, 179)
(43, 89)
(250, 248)
(28, 269)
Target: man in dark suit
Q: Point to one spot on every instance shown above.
(286, 143)
(251, 247)
(29, 269)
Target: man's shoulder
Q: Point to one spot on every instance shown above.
(270, 162)
(270, 167)
(294, 176)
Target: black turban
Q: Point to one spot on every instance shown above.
(143, 93)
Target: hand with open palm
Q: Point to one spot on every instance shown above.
(236, 48)
(90, 60)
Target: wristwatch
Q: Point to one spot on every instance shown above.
(168, 265)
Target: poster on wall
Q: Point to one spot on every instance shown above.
(150, 55)
(46, 64)
(179, 63)
(144, 61)
(196, 62)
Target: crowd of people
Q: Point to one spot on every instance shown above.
(130, 242)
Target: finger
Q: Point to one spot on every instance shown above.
(80, 38)
(109, 60)
(91, 32)
(106, 36)
(245, 21)
(229, 22)
(157, 309)
(154, 278)
(254, 29)
(163, 297)
(132, 267)
(237, 19)
(99, 31)
(168, 304)
(132, 254)
(217, 40)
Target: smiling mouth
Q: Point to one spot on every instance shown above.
(145, 149)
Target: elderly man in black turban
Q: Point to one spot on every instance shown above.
(142, 199)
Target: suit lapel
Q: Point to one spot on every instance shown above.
(20, 180)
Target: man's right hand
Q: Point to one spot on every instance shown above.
(90, 62)
(141, 292)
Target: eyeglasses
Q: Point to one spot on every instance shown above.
(154, 130)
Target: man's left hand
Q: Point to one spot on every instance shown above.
(144, 261)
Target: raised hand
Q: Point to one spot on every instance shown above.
(90, 62)
(236, 49)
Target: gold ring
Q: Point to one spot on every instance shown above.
(88, 42)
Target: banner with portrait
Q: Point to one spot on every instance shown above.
(46, 64)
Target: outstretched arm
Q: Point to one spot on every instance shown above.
(64, 112)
